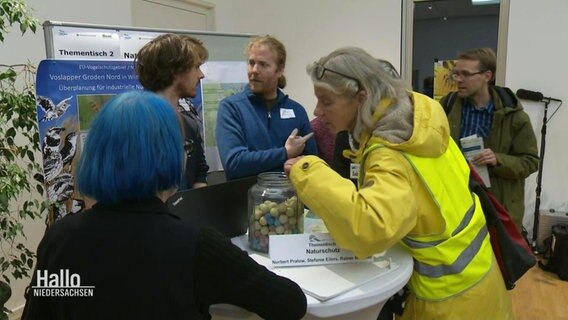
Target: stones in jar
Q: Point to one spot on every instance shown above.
(274, 209)
(271, 218)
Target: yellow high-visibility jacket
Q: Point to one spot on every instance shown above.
(394, 204)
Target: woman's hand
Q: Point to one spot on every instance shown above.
(289, 163)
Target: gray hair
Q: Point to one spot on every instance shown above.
(378, 81)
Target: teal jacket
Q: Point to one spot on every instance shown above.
(513, 141)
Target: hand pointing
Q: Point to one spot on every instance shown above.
(295, 144)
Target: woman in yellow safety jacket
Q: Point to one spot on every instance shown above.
(413, 189)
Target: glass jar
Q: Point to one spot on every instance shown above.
(274, 209)
(313, 223)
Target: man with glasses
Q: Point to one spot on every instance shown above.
(260, 128)
(496, 115)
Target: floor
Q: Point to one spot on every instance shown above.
(540, 295)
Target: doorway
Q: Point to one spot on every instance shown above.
(436, 30)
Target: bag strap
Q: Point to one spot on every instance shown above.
(447, 102)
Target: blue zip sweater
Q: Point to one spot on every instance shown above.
(250, 139)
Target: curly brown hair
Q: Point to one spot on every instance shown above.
(165, 56)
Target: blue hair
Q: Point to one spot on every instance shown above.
(134, 149)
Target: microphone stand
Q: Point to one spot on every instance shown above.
(539, 175)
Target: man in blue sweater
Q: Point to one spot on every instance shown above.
(260, 128)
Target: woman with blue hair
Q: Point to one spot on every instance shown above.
(141, 261)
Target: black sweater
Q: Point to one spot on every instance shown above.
(146, 263)
(196, 166)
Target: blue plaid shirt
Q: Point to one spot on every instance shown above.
(476, 121)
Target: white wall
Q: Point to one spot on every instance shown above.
(311, 29)
(31, 47)
(536, 60)
(17, 49)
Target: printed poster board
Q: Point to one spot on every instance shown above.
(89, 64)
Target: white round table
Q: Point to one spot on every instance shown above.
(363, 302)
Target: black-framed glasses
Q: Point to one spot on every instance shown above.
(320, 72)
(464, 74)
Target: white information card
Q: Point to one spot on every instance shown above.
(307, 249)
(472, 146)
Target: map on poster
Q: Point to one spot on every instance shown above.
(222, 79)
(213, 94)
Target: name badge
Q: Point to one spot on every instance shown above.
(287, 113)
(307, 249)
(354, 170)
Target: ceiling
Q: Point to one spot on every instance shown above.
(438, 9)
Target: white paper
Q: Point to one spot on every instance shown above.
(287, 113)
(471, 146)
(329, 281)
(313, 224)
(132, 41)
(85, 44)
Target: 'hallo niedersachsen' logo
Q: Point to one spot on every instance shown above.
(62, 284)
